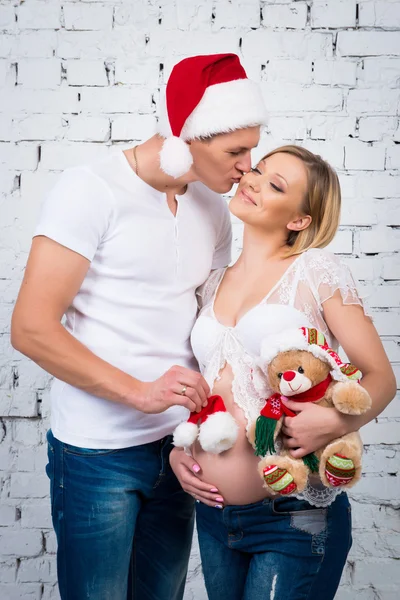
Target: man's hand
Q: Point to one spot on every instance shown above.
(157, 396)
(312, 428)
(187, 472)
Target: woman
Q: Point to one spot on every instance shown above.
(258, 545)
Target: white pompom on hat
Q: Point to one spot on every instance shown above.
(205, 95)
(214, 426)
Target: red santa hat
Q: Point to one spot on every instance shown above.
(310, 340)
(217, 432)
(205, 95)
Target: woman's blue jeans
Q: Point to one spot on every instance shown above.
(123, 524)
(281, 549)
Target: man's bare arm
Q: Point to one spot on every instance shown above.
(53, 277)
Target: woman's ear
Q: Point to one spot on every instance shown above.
(300, 223)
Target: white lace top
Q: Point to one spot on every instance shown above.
(295, 301)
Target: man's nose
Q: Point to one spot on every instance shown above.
(244, 164)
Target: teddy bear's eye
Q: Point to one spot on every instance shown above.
(300, 370)
(280, 375)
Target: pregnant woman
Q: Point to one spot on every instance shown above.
(255, 545)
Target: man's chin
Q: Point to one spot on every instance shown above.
(222, 188)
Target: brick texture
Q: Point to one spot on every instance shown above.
(78, 77)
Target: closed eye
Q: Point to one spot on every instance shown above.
(255, 170)
(276, 188)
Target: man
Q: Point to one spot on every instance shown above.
(120, 248)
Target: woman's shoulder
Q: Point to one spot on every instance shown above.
(321, 256)
(320, 261)
(327, 272)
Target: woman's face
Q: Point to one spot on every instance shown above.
(220, 162)
(271, 195)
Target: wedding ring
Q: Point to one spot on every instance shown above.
(183, 391)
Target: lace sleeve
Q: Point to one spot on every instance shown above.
(329, 274)
(205, 292)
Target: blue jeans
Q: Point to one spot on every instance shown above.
(281, 549)
(123, 524)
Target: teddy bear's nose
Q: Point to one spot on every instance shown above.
(289, 375)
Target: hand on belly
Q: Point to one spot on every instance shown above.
(233, 472)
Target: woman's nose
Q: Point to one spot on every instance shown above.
(252, 182)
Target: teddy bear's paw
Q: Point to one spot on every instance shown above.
(279, 480)
(350, 398)
(339, 470)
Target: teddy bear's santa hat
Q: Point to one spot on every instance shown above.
(310, 340)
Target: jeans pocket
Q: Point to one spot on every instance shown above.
(88, 452)
(349, 516)
(51, 468)
(287, 505)
(304, 518)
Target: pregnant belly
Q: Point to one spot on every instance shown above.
(233, 472)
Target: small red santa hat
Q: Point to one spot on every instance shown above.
(205, 95)
(310, 340)
(217, 432)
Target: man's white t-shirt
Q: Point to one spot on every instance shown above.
(137, 304)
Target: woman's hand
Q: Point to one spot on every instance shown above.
(315, 426)
(188, 472)
(312, 428)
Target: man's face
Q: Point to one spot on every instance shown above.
(219, 163)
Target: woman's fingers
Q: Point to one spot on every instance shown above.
(299, 452)
(295, 448)
(185, 469)
(288, 431)
(209, 498)
(189, 480)
(204, 492)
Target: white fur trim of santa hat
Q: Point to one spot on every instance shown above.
(224, 107)
(293, 339)
(185, 435)
(218, 433)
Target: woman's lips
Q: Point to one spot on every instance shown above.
(247, 197)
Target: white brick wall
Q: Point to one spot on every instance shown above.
(77, 77)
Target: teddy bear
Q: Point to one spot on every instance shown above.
(300, 365)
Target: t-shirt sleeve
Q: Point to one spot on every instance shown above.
(77, 212)
(223, 248)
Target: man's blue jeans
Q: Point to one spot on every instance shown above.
(281, 549)
(123, 524)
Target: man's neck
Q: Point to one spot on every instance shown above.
(147, 167)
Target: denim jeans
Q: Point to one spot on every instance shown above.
(280, 549)
(123, 524)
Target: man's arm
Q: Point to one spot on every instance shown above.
(53, 277)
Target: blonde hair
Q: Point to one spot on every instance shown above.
(322, 201)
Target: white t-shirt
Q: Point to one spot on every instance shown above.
(137, 304)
